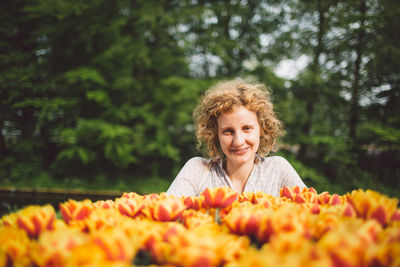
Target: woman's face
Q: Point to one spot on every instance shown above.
(239, 135)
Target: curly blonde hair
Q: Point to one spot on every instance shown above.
(225, 97)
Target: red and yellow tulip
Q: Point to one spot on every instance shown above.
(76, 210)
(129, 206)
(168, 209)
(219, 197)
(218, 228)
(372, 205)
(36, 219)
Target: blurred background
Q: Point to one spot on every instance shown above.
(99, 94)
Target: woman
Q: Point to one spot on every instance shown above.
(236, 122)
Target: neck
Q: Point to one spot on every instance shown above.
(239, 173)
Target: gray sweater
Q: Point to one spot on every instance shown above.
(269, 175)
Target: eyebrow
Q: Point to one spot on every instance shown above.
(245, 125)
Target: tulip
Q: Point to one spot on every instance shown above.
(36, 219)
(253, 197)
(131, 195)
(129, 206)
(9, 220)
(195, 203)
(396, 216)
(349, 211)
(315, 209)
(168, 210)
(157, 248)
(90, 254)
(310, 196)
(14, 243)
(115, 244)
(194, 256)
(195, 248)
(101, 219)
(54, 248)
(245, 220)
(192, 219)
(76, 210)
(306, 195)
(287, 192)
(104, 204)
(348, 244)
(372, 205)
(324, 197)
(219, 197)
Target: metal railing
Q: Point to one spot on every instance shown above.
(12, 198)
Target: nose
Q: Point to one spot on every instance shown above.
(238, 139)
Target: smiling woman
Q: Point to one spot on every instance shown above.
(236, 122)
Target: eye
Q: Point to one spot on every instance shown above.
(227, 131)
(247, 128)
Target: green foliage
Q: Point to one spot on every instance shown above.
(383, 134)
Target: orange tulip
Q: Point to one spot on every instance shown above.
(101, 219)
(14, 245)
(54, 248)
(324, 197)
(306, 195)
(9, 220)
(372, 205)
(157, 247)
(387, 250)
(348, 244)
(129, 206)
(167, 209)
(192, 219)
(245, 220)
(36, 219)
(219, 197)
(104, 204)
(396, 216)
(195, 256)
(90, 254)
(76, 210)
(131, 195)
(195, 248)
(195, 203)
(254, 197)
(349, 211)
(290, 192)
(116, 245)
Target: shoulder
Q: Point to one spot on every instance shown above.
(196, 164)
(274, 160)
(197, 161)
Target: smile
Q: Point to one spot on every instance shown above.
(240, 151)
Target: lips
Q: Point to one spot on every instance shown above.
(240, 151)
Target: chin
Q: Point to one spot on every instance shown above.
(242, 159)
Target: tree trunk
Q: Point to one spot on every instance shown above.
(315, 68)
(355, 93)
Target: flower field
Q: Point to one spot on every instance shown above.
(219, 228)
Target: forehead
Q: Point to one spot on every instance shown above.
(239, 114)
